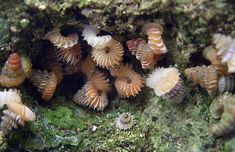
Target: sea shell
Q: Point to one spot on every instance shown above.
(60, 41)
(71, 55)
(125, 121)
(12, 73)
(110, 55)
(205, 76)
(71, 69)
(94, 92)
(45, 82)
(9, 121)
(226, 84)
(154, 32)
(133, 44)
(120, 70)
(9, 96)
(210, 53)
(88, 66)
(167, 83)
(21, 110)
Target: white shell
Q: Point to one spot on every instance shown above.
(8, 96)
(125, 124)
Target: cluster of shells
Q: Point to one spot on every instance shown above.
(218, 78)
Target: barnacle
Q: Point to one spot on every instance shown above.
(210, 53)
(226, 50)
(106, 50)
(128, 82)
(88, 66)
(226, 84)
(167, 83)
(61, 41)
(12, 73)
(94, 92)
(45, 82)
(205, 76)
(125, 121)
(9, 121)
(154, 32)
(70, 55)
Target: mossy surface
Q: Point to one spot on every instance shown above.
(160, 126)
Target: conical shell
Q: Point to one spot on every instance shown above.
(167, 83)
(45, 82)
(154, 32)
(205, 76)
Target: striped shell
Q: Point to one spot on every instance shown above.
(167, 83)
(128, 83)
(88, 66)
(154, 32)
(71, 55)
(110, 55)
(205, 76)
(45, 82)
(125, 121)
(12, 73)
(226, 84)
(9, 121)
(133, 44)
(94, 92)
(210, 53)
(21, 110)
(60, 41)
(9, 96)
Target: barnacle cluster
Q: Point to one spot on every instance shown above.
(16, 113)
(216, 77)
(148, 53)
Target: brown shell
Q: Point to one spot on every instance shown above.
(94, 92)
(110, 55)
(121, 70)
(71, 55)
(71, 69)
(9, 121)
(88, 66)
(154, 32)
(45, 82)
(205, 76)
(12, 73)
(210, 53)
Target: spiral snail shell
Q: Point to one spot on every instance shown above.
(210, 53)
(125, 121)
(154, 32)
(205, 76)
(61, 41)
(45, 82)
(94, 93)
(167, 83)
(12, 73)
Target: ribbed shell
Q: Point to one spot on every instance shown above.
(205, 76)
(210, 53)
(88, 66)
(167, 83)
(125, 121)
(110, 55)
(60, 41)
(71, 55)
(21, 110)
(94, 92)
(9, 121)
(121, 70)
(12, 73)
(133, 44)
(45, 82)
(226, 84)
(154, 32)
(9, 96)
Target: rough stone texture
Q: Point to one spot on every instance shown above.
(160, 126)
